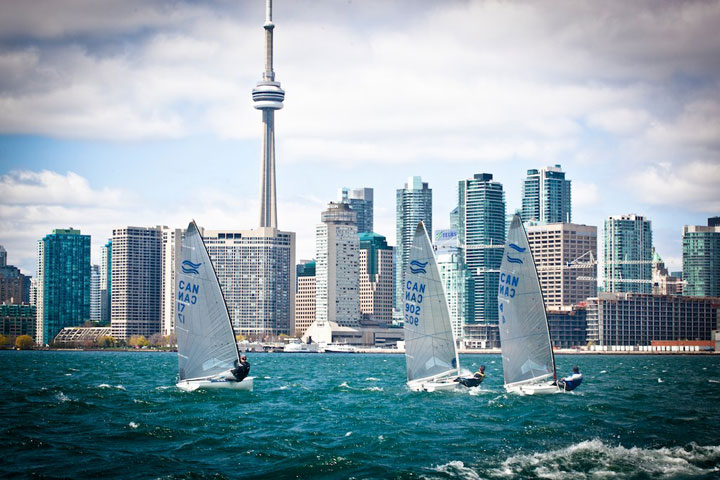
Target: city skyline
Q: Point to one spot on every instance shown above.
(144, 118)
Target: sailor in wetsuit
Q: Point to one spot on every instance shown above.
(475, 380)
(571, 382)
(242, 370)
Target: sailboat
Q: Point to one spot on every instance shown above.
(527, 355)
(430, 353)
(206, 341)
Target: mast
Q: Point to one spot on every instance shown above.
(232, 329)
(542, 297)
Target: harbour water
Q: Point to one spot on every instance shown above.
(119, 415)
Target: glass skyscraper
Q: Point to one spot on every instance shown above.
(413, 204)
(63, 273)
(481, 219)
(546, 196)
(701, 260)
(95, 294)
(361, 202)
(628, 254)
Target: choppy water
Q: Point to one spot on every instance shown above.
(119, 415)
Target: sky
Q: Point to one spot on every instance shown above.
(140, 113)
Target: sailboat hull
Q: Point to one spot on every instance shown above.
(436, 385)
(215, 384)
(534, 389)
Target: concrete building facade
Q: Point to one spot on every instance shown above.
(337, 267)
(376, 278)
(136, 297)
(305, 299)
(631, 319)
(565, 255)
(256, 270)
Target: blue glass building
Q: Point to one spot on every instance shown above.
(546, 196)
(63, 298)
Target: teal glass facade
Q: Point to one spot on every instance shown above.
(701, 261)
(64, 275)
(628, 254)
(413, 204)
(546, 196)
(481, 218)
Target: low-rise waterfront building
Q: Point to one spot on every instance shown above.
(568, 326)
(16, 320)
(631, 319)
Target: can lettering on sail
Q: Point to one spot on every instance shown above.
(413, 298)
(508, 284)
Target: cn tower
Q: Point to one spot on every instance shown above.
(268, 97)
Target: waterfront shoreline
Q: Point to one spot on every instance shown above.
(493, 351)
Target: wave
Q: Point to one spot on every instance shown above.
(133, 425)
(596, 459)
(62, 397)
(457, 469)
(372, 379)
(373, 389)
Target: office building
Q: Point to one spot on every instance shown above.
(546, 196)
(413, 205)
(701, 259)
(631, 319)
(256, 270)
(14, 286)
(304, 298)
(105, 282)
(337, 267)
(95, 294)
(565, 256)
(63, 285)
(628, 254)
(361, 202)
(458, 285)
(136, 297)
(16, 320)
(376, 279)
(481, 218)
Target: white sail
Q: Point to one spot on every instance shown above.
(429, 342)
(524, 335)
(206, 341)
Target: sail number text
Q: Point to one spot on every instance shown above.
(413, 298)
(187, 295)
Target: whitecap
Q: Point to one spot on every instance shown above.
(372, 379)
(348, 434)
(660, 380)
(344, 384)
(104, 385)
(663, 462)
(119, 387)
(163, 387)
(603, 371)
(457, 468)
(381, 438)
(267, 378)
(714, 381)
(62, 397)
(68, 374)
(133, 425)
(373, 389)
(284, 387)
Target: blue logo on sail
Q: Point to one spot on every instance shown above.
(516, 248)
(417, 267)
(189, 267)
(513, 260)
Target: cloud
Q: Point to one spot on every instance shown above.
(693, 186)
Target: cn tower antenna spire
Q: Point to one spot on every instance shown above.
(268, 97)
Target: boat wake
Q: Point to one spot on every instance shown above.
(597, 459)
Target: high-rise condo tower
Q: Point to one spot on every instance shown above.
(268, 97)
